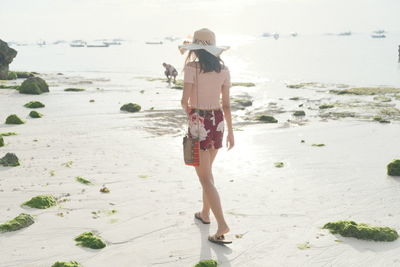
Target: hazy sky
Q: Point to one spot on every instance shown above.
(31, 20)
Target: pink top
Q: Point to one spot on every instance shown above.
(209, 86)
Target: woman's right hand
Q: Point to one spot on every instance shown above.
(230, 141)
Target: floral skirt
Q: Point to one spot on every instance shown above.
(208, 125)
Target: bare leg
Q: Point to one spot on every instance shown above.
(205, 213)
(211, 193)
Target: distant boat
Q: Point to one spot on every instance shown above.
(293, 34)
(275, 35)
(344, 33)
(378, 36)
(266, 34)
(77, 43)
(160, 42)
(97, 44)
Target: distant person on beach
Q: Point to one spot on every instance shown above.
(170, 71)
(206, 78)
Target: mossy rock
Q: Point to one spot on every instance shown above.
(279, 164)
(41, 202)
(207, 263)
(34, 104)
(131, 107)
(302, 85)
(10, 159)
(12, 75)
(1, 141)
(380, 120)
(318, 145)
(299, 113)
(362, 231)
(21, 221)
(74, 89)
(295, 98)
(24, 74)
(367, 91)
(266, 118)
(393, 168)
(66, 264)
(34, 86)
(326, 106)
(89, 240)
(243, 84)
(14, 119)
(34, 114)
(243, 102)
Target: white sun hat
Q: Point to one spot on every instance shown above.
(203, 39)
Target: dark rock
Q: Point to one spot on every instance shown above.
(10, 159)
(1, 141)
(14, 119)
(266, 118)
(24, 74)
(299, 113)
(393, 168)
(34, 85)
(34, 104)
(35, 114)
(7, 55)
(130, 107)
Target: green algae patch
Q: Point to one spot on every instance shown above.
(89, 240)
(2, 86)
(382, 98)
(393, 168)
(1, 141)
(41, 202)
(82, 180)
(366, 91)
(318, 145)
(302, 85)
(299, 113)
(178, 84)
(74, 89)
(10, 159)
(380, 119)
(266, 119)
(8, 134)
(243, 84)
(34, 86)
(21, 221)
(66, 264)
(14, 119)
(12, 75)
(279, 164)
(34, 114)
(303, 246)
(34, 104)
(131, 107)
(326, 106)
(362, 231)
(207, 263)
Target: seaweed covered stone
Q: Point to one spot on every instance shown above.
(244, 84)
(35, 114)
(299, 113)
(207, 263)
(89, 240)
(41, 202)
(34, 104)
(66, 264)
(393, 168)
(12, 75)
(362, 231)
(10, 159)
(21, 221)
(14, 119)
(131, 107)
(24, 74)
(266, 118)
(34, 86)
(326, 106)
(1, 141)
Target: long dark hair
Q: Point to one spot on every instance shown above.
(208, 62)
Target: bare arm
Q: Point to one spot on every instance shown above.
(187, 89)
(226, 107)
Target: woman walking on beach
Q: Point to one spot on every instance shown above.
(205, 79)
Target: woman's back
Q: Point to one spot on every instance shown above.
(208, 88)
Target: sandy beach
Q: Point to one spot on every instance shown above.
(146, 219)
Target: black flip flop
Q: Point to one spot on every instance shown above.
(220, 240)
(200, 219)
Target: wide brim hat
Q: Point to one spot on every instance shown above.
(203, 39)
